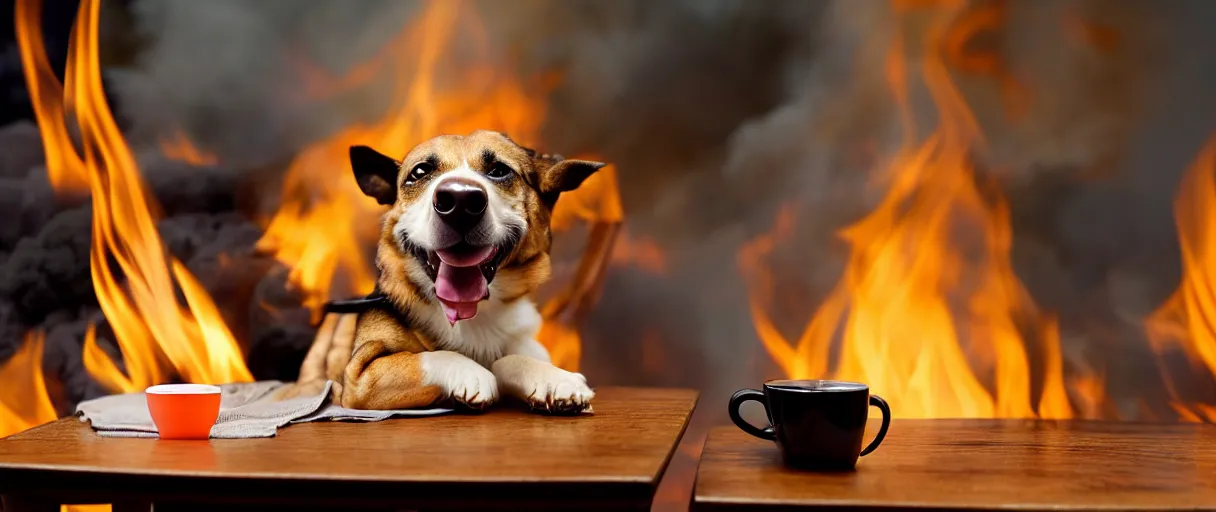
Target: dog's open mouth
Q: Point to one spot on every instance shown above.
(462, 275)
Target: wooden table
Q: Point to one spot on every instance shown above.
(978, 465)
(505, 458)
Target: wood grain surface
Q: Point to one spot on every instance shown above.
(613, 457)
(978, 465)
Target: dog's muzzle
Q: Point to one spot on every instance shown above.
(467, 255)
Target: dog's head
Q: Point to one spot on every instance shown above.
(465, 210)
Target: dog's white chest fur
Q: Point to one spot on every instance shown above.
(503, 356)
(488, 336)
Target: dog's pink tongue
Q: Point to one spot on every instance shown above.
(470, 258)
(459, 290)
(460, 284)
(457, 311)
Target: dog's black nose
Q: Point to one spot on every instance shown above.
(461, 203)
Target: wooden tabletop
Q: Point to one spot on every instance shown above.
(506, 456)
(978, 465)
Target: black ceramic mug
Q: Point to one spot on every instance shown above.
(818, 424)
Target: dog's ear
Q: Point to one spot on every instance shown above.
(566, 175)
(375, 173)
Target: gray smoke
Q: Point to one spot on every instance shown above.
(716, 113)
(233, 73)
(657, 88)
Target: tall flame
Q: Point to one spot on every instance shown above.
(915, 291)
(24, 402)
(324, 221)
(159, 337)
(64, 167)
(1187, 320)
(23, 399)
(597, 202)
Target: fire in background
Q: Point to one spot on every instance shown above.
(315, 233)
(1002, 177)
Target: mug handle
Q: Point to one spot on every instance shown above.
(881, 404)
(737, 400)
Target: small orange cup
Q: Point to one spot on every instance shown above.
(184, 411)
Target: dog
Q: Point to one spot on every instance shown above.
(463, 246)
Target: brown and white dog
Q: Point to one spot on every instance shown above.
(463, 246)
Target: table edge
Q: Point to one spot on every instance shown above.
(9, 469)
(662, 469)
(102, 488)
(717, 502)
(701, 504)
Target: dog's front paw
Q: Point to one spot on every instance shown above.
(544, 387)
(474, 388)
(462, 379)
(558, 391)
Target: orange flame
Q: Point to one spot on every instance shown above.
(324, 222)
(965, 55)
(24, 402)
(157, 335)
(1054, 403)
(598, 203)
(598, 199)
(179, 147)
(563, 342)
(1186, 320)
(914, 288)
(1089, 389)
(643, 253)
(64, 167)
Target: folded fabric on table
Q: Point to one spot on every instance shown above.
(249, 409)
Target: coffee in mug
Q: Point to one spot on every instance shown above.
(817, 424)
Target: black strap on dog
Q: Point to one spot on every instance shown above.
(375, 300)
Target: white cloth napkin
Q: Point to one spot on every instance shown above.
(246, 410)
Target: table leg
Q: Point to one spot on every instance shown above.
(23, 503)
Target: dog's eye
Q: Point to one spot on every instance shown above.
(419, 171)
(499, 171)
